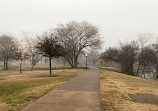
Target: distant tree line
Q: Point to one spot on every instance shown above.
(135, 56)
(16, 49)
(66, 40)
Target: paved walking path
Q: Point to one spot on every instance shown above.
(78, 94)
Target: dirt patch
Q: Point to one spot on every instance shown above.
(112, 86)
(144, 98)
(2, 78)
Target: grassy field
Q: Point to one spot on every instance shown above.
(120, 92)
(38, 67)
(18, 90)
(39, 70)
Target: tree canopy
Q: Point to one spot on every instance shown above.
(50, 47)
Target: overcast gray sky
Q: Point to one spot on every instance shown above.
(117, 19)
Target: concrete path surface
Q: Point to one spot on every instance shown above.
(78, 94)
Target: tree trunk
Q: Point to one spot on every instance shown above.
(123, 68)
(138, 68)
(72, 66)
(101, 62)
(41, 60)
(6, 65)
(157, 71)
(21, 66)
(50, 66)
(64, 65)
(76, 60)
(93, 62)
(131, 70)
(32, 62)
(45, 60)
(75, 63)
(32, 67)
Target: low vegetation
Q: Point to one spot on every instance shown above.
(120, 92)
(18, 90)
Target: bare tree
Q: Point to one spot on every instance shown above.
(144, 39)
(76, 36)
(21, 53)
(31, 41)
(93, 57)
(7, 49)
(64, 62)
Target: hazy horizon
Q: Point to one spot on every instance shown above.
(118, 20)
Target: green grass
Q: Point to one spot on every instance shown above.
(14, 100)
(11, 88)
(49, 90)
(44, 67)
(17, 90)
(102, 105)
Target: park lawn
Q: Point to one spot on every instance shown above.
(120, 92)
(13, 72)
(19, 90)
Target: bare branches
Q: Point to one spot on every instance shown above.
(7, 49)
(21, 53)
(75, 36)
(31, 42)
(144, 39)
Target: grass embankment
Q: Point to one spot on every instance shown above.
(120, 92)
(19, 90)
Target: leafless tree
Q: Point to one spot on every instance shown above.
(144, 39)
(93, 57)
(21, 53)
(76, 36)
(64, 62)
(7, 49)
(31, 41)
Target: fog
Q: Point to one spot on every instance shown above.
(118, 20)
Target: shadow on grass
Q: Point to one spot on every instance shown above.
(53, 75)
(56, 68)
(144, 98)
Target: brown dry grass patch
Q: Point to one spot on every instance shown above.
(19, 90)
(116, 88)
